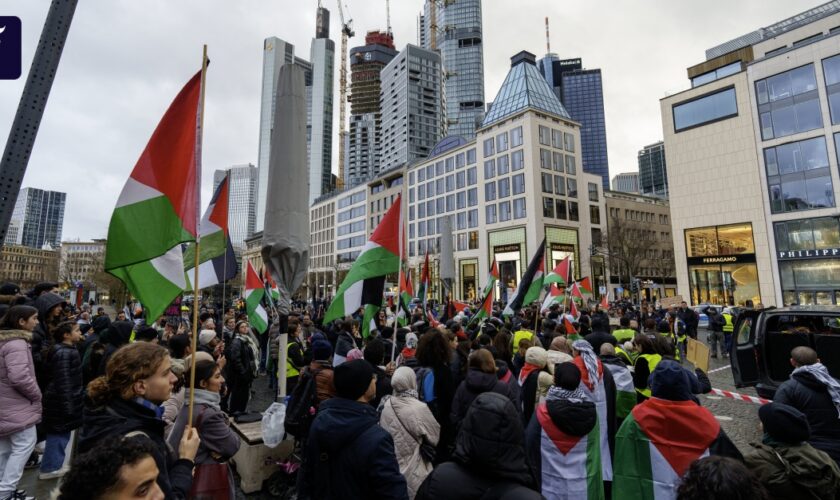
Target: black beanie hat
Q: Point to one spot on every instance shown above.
(352, 378)
(784, 423)
(9, 289)
(567, 376)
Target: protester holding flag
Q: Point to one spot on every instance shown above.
(530, 286)
(243, 367)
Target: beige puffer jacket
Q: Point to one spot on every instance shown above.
(409, 421)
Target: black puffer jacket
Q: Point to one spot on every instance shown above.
(476, 383)
(117, 335)
(489, 456)
(120, 417)
(242, 363)
(808, 395)
(41, 338)
(63, 400)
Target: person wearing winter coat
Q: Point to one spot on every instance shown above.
(126, 402)
(481, 377)
(294, 356)
(20, 396)
(559, 440)
(534, 381)
(348, 455)
(346, 341)
(489, 459)
(63, 398)
(117, 335)
(411, 424)
(814, 392)
(785, 463)
(50, 308)
(242, 368)
(218, 441)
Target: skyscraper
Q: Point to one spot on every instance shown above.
(38, 218)
(653, 176)
(322, 55)
(276, 53)
(455, 30)
(242, 201)
(363, 141)
(580, 90)
(412, 106)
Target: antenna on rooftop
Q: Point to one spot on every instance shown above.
(547, 38)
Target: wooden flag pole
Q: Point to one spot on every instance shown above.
(197, 250)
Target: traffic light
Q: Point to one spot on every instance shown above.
(635, 285)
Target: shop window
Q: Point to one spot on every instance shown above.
(732, 239)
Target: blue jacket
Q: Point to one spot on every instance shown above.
(348, 456)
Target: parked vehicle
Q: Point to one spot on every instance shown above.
(764, 338)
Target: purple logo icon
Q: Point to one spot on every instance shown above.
(10, 48)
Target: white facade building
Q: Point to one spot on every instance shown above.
(242, 201)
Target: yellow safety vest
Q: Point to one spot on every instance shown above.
(728, 327)
(291, 371)
(624, 334)
(652, 361)
(628, 357)
(522, 334)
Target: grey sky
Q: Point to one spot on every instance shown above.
(125, 60)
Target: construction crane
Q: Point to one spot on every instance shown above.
(388, 16)
(346, 33)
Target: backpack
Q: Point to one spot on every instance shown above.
(303, 404)
(425, 383)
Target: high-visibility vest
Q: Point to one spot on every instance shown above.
(624, 334)
(728, 327)
(628, 357)
(291, 371)
(652, 361)
(522, 334)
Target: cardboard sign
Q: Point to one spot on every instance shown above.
(697, 353)
(674, 301)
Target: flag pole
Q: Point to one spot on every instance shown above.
(197, 247)
(224, 272)
(399, 285)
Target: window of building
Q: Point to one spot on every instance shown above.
(717, 74)
(571, 168)
(504, 187)
(593, 191)
(560, 185)
(421, 229)
(518, 183)
(502, 142)
(798, 176)
(573, 211)
(547, 183)
(462, 241)
(504, 211)
(450, 182)
(788, 103)
(557, 139)
(548, 207)
(569, 142)
(503, 164)
(831, 71)
(450, 164)
(430, 171)
(421, 175)
(461, 199)
(472, 218)
(490, 191)
(489, 168)
(472, 178)
(490, 213)
(545, 159)
(516, 137)
(430, 189)
(470, 156)
(719, 240)
(594, 214)
(430, 208)
(545, 135)
(462, 220)
(557, 161)
(440, 186)
(459, 160)
(439, 168)
(807, 234)
(421, 247)
(421, 210)
(489, 147)
(450, 203)
(571, 185)
(561, 209)
(460, 179)
(473, 240)
(430, 227)
(519, 208)
(472, 197)
(718, 105)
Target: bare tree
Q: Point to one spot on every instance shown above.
(625, 246)
(664, 267)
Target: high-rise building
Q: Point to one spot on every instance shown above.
(322, 55)
(412, 106)
(581, 92)
(276, 53)
(363, 140)
(242, 198)
(457, 35)
(37, 219)
(627, 182)
(653, 177)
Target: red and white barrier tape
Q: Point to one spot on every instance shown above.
(742, 397)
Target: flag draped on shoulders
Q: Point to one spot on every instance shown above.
(157, 209)
(365, 282)
(625, 391)
(656, 444)
(254, 293)
(530, 286)
(217, 262)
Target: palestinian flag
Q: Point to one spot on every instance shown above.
(271, 286)
(157, 209)
(425, 281)
(491, 279)
(530, 286)
(555, 295)
(625, 391)
(575, 292)
(605, 303)
(217, 262)
(573, 310)
(562, 273)
(254, 293)
(406, 292)
(368, 319)
(486, 310)
(574, 472)
(656, 444)
(365, 282)
(595, 391)
(585, 285)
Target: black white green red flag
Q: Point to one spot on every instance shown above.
(530, 286)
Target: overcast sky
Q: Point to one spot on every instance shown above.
(125, 60)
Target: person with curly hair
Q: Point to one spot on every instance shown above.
(118, 468)
(721, 478)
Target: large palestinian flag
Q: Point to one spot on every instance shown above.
(254, 293)
(491, 279)
(157, 209)
(625, 391)
(561, 274)
(217, 262)
(554, 296)
(365, 283)
(574, 472)
(486, 310)
(530, 286)
(656, 444)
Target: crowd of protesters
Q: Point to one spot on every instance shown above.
(535, 405)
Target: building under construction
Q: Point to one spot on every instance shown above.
(363, 140)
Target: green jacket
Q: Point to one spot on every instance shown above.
(794, 471)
